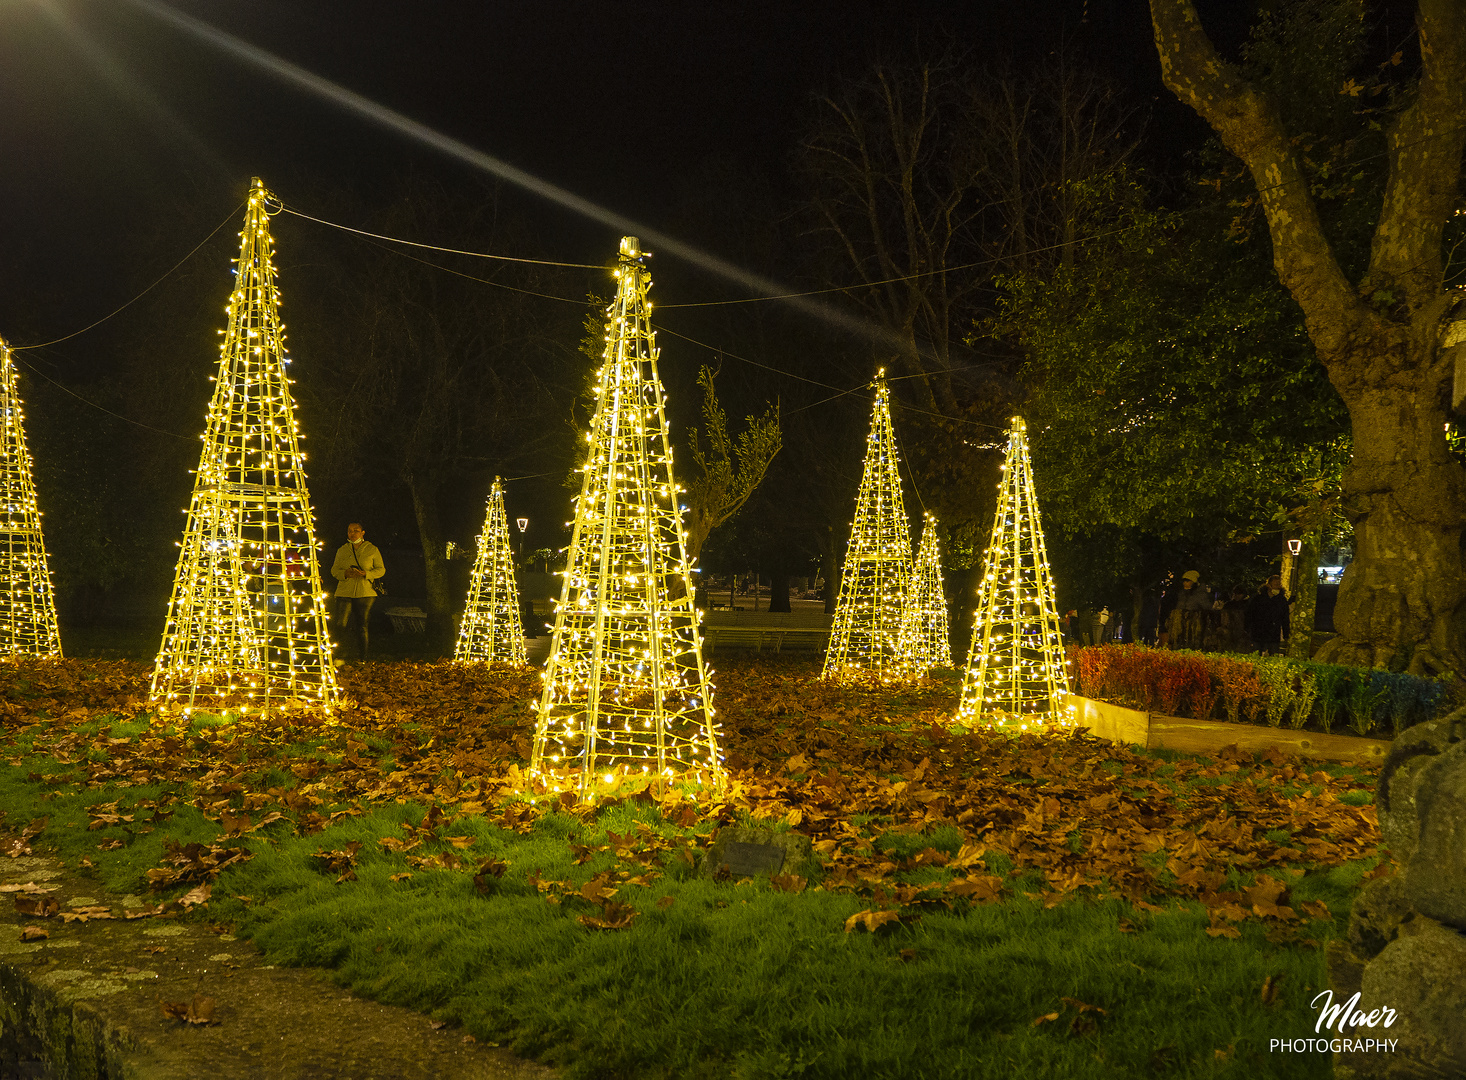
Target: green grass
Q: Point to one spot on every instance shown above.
(729, 980)
(739, 980)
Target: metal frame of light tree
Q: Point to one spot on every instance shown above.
(626, 690)
(247, 619)
(865, 641)
(926, 640)
(27, 598)
(1017, 675)
(491, 631)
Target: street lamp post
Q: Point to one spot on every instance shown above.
(1290, 565)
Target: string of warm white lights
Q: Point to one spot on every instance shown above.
(626, 691)
(491, 631)
(865, 640)
(27, 600)
(925, 641)
(1017, 676)
(247, 620)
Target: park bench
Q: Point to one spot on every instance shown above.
(760, 630)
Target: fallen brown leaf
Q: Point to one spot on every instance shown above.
(871, 920)
(789, 883)
(1270, 989)
(197, 1010)
(613, 916)
(42, 907)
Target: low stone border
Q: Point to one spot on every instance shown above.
(83, 1003)
(1154, 731)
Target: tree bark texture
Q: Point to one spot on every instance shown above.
(1305, 599)
(779, 591)
(830, 570)
(434, 550)
(1404, 596)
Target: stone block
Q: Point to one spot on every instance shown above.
(1435, 879)
(1421, 975)
(755, 852)
(1416, 748)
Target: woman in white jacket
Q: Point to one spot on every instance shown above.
(358, 564)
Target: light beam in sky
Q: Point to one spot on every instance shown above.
(353, 102)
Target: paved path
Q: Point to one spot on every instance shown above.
(85, 1003)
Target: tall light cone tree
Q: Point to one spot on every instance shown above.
(491, 631)
(247, 619)
(1016, 676)
(925, 639)
(866, 639)
(626, 690)
(27, 600)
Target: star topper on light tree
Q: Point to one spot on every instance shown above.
(491, 631)
(865, 641)
(246, 622)
(27, 599)
(626, 691)
(925, 640)
(1017, 676)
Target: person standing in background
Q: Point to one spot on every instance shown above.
(358, 564)
(1268, 617)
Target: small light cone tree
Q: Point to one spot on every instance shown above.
(247, 620)
(27, 600)
(1017, 676)
(491, 631)
(865, 641)
(626, 690)
(925, 640)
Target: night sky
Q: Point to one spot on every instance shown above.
(111, 115)
(126, 139)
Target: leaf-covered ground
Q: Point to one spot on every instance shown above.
(976, 904)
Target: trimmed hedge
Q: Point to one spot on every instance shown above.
(1271, 690)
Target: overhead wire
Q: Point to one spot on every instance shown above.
(282, 207)
(480, 280)
(286, 208)
(101, 408)
(75, 333)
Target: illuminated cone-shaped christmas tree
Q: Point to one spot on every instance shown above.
(626, 690)
(247, 621)
(27, 603)
(866, 639)
(491, 631)
(925, 641)
(1016, 672)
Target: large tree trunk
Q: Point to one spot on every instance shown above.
(434, 550)
(1404, 595)
(1305, 599)
(779, 591)
(830, 570)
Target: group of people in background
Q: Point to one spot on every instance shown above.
(1190, 615)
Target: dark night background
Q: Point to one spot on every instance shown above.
(125, 141)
